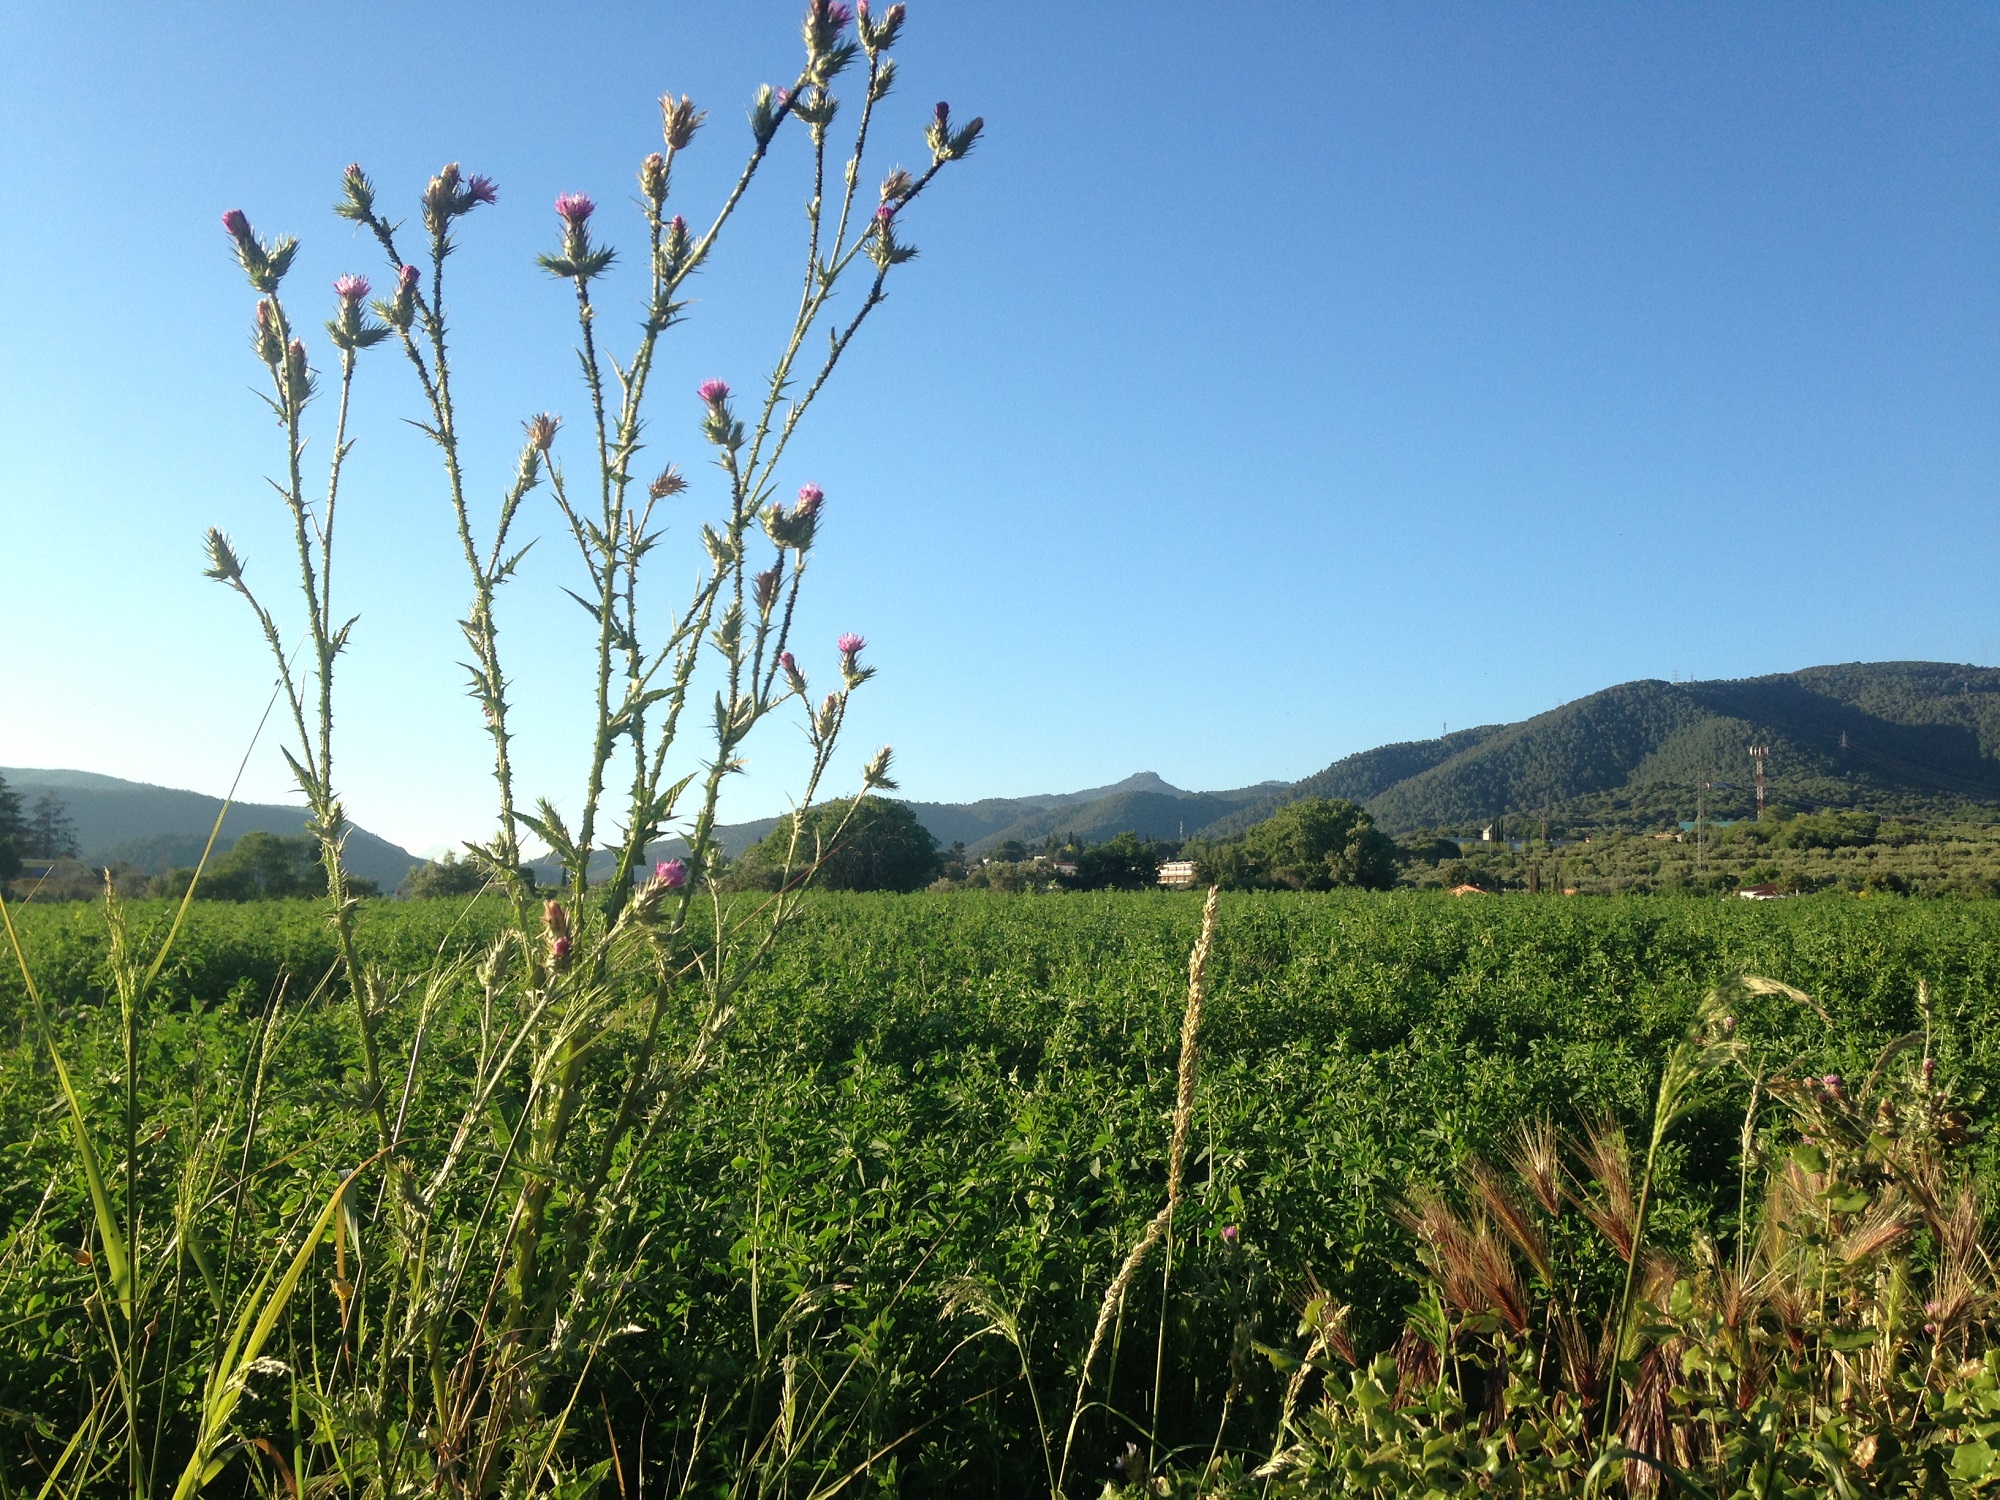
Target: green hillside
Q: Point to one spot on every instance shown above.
(156, 828)
(1910, 738)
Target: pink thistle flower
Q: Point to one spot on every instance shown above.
(1930, 1067)
(1229, 1233)
(671, 873)
(482, 189)
(810, 498)
(237, 223)
(411, 276)
(559, 949)
(886, 214)
(789, 662)
(714, 392)
(851, 644)
(351, 288)
(678, 225)
(574, 208)
(942, 114)
(839, 15)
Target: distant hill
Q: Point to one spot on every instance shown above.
(1914, 738)
(1901, 738)
(155, 828)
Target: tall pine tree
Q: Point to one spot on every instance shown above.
(13, 832)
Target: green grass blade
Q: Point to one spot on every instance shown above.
(246, 1343)
(117, 1262)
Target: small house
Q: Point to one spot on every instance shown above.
(1177, 874)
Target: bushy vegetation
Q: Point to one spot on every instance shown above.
(941, 1119)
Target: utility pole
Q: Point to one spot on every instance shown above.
(1700, 822)
(1758, 754)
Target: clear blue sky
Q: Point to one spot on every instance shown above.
(1275, 381)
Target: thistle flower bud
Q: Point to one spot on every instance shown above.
(885, 214)
(265, 265)
(541, 429)
(349, 329)
(1230, 1232)
(811, 497)
(789, 665)
(947, 144)
(265, 340)
(877, 35)
(223, 564)
(876, 773)
(669, 483)
(824, 22)
(1831, 1083)
(765, 112)
(358, 202)
(653, 177)
(671, 873)
(679, 120)
(1930, 1068)
(298, 374)
(400, 310)
(767, 589)
(440, 196)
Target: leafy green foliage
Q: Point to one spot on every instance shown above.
(922, 1086)
(866, 844)
(1312, 845)
(260, 867)
(13, 830)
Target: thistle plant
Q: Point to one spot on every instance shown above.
(482, 1224)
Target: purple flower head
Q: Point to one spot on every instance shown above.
(1729, 1023)
(351, 288)
(886, 214)
(559, 949)
(574, 208)
(1831, 1083)
(678, 225)
(942, 114)
(671, 873)
(1229, 1233)
(810, 498)
(237, 223)
(714, 392)
(839, 15)
(411, 276)
(784, 96)
(482, 189)
(789, 663)
(851, 644)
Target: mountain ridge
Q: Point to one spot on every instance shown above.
(1909, 738)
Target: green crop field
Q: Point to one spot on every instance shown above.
(925, 1089)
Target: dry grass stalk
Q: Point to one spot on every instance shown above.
(1157, 1229)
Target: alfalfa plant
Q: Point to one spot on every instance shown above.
(480, 1262)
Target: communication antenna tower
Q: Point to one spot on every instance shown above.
(1758, 754)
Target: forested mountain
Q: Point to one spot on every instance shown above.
(156, 828)
(1910, 738)
(1896, 737)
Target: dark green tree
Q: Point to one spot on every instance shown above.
(1311, 845)
(1124, 863)
(882, 848)
(13, 831)
(260, 866)
(51, 834)
(443, 877)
